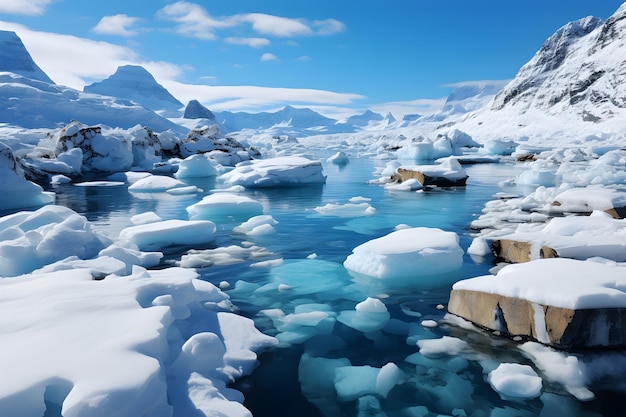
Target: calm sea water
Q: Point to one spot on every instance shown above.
(275, 388)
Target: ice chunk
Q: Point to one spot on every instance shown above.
(512, 380)
(166, 233)
(196, 166)
(368, 316)
(257, 226)
(346, 210)
(276, 172)
(422, 253)
(222, 206)
(155, 184)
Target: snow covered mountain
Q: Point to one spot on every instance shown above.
(14, 59)
(574, 84)
(30, 99)
(135, 83)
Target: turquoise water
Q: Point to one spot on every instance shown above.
(313, 248)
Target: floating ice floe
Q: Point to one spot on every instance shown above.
(261, 225)
(346, 210)
(340, 158)
(420, 254)
(162, 234)
(368, 316)
(122, 346)
(196, 166)
(32, 239)
(276, 172)
(222, 206)
(156, 184)
(515, 381)
(20, 193)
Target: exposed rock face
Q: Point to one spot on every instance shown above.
(560, 327)
(516, 251)
(195, 110)
(225, 150)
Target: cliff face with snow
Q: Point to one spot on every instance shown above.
(575, 82)
(14, 58)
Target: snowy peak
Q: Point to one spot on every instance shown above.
(195, 110)
(15, 58)
(580, 69)
(135, 83)
(364, 119)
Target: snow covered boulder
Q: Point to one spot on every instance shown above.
(146, 147)
(576, 237)
(423, 255)
(100, 153)
(560, 302)
(208, 139)
(285, 171)
(449, 173)
(16, 191)
(588, 199)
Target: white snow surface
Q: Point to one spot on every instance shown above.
(557, 282)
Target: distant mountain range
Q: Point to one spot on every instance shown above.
(577, 78)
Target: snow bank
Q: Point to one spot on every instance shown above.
(422, 253)
(121, 346)
(557, 282)
(275, 172)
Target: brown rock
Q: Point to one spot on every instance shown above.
(516, 251)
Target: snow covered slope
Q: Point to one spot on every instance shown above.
(574, 85)
(135, 83)
(30, 99)
(14, 58)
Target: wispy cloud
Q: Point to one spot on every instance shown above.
(401, 108)
(268, 57)
(119, 24)
(29, 8)
(254, 98)
(251, 42)
(195, 21)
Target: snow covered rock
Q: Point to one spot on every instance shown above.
(17, 192)
(447, 174)
(285, 171)
(208, 139)
(100, 153)
(560, 302)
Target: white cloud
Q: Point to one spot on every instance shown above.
(251, 42)
(304, 58)
(74, 62)
(29, 8)
(328, 26)
(268, 57)
(254, 98)
(401, 108)
(119, 24)
(193, 20)
(274, 25)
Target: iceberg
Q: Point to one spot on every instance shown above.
(275, 172)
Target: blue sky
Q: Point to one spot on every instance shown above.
(336, 56)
